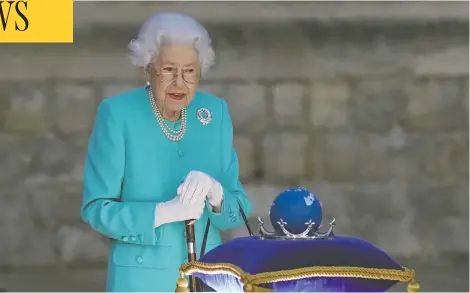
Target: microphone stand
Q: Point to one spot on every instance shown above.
(194, 284)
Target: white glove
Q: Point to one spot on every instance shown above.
(216, 194)
(176, 211)
(197, 186)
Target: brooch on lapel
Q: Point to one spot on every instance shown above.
(204, 115)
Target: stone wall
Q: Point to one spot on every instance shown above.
(371, 115)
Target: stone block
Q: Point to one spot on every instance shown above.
(351, 156)
(216, 89)
(55, 280)
(466, 95)
(247, 53)
(56, 160)
(429, 198)
(334, 157)
(50, 214)
(54, 204)
(433, 98)
(25, 108)
(440, 158)
(456, 233)
(15, 158)
(435, 210)
(80, 64)
(76, 107)
(246, 156)
(307, 52)
(111, 90)
(386, 200)
(101, 13)
(329, 105)
(451, 61)
(247, 106)
(460, 199)
(397, 237)
(284, 155)
(80, 244)
(24, 242)
(288, 100)
(378, 104)
(387, 220)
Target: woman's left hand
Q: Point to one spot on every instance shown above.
(197, 186)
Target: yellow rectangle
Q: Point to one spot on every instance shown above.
(36, 21)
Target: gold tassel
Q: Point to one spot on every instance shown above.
(182, 284)
(413, 286)
(248, 288)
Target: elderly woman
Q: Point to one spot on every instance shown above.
(159, 155)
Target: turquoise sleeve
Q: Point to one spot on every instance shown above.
(234, 193)
(102, 208)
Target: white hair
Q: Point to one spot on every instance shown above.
(166, 27)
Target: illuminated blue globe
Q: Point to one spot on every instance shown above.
(296, 206)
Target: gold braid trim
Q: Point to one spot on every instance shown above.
(251, 281)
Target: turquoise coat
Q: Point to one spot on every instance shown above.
(131, 166)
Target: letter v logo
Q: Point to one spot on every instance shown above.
(3, 17)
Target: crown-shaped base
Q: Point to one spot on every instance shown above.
(311, 232)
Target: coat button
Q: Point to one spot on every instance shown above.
(139, 259)
(133, 239)
(180, 153)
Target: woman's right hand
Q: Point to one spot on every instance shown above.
(176, 211)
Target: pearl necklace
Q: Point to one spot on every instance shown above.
(171, 134)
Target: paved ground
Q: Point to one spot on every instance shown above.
(431, 278)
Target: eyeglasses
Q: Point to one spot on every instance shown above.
(170, 74)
